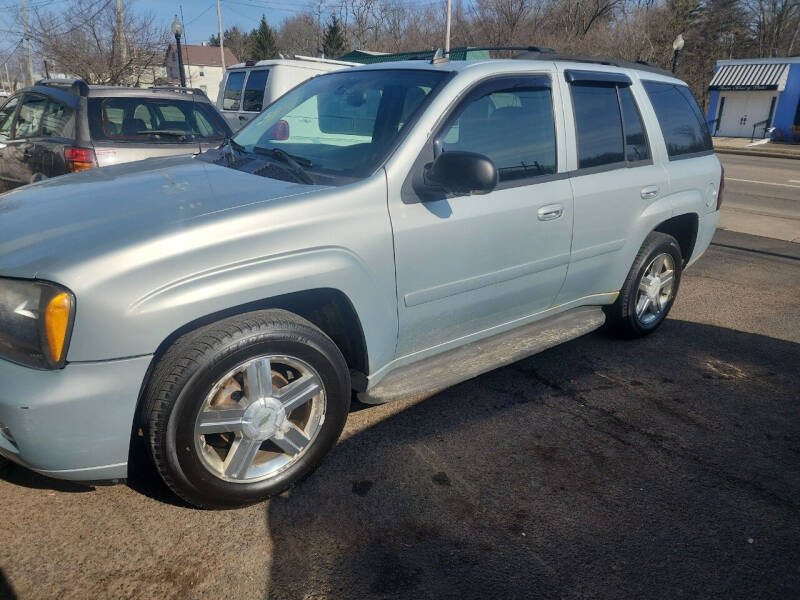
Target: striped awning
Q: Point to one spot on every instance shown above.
(750, 77)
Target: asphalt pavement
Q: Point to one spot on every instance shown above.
(762, 196)
(666, 467)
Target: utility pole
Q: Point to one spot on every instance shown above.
(447, 28)
(221, 42)
(29, 75)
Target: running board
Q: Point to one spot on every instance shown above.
(429, 376)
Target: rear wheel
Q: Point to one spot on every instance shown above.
(650, 288)
(243, 409)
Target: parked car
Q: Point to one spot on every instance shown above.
(60, 126)
(4, 93)
(388, 230)
(249, 87)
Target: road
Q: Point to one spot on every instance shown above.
(667, 467)
(762, 196)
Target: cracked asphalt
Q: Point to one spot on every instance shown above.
(667, 467)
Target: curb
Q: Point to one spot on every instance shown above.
(757, 153)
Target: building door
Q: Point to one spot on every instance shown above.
(743, 111)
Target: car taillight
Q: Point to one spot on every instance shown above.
(79, 159)
(721, 187)
(279, 131)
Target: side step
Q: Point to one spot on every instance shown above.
(431, 375)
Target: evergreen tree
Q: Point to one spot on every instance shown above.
(263, 43)
(334, 43)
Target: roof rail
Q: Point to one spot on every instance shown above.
(176, 88)
(76, 86)
(329, 61)
(550, 54)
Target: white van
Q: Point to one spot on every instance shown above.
(250, 86)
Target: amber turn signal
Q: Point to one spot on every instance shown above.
(56, 323)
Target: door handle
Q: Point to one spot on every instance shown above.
(649, 192)
(550, 212)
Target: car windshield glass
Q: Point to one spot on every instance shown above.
(343, 123)
(154, 120)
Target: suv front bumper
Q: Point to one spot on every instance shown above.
(74, 423)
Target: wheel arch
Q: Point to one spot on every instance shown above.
(684, 228)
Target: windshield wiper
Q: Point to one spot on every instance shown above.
(297, 164)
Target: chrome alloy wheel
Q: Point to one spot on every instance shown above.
(260, 418)
(655, 289)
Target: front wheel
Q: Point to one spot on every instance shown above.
(650, 288)
(244, 408)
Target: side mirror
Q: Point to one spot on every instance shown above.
(462, 173)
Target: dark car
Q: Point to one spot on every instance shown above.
(60, 126)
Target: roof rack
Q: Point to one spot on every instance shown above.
(76, 86)
(176, 88)
(549, 54)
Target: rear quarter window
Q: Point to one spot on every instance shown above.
(680, 118)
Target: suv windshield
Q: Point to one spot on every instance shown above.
(342, 123)
(154, 120)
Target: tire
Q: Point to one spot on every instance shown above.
(215, 377)
(4, 465)
(625, 318)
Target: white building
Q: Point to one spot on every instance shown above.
(202, 66)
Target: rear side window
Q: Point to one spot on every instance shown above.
(233, 91)
(253, 100)
(7, 117)
(680, 118)
(153, 120)
(29, 120)
(511, 123)
(636, 147)
(57, 121)
(599, 126)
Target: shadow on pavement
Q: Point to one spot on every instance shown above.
(6, 591)
(659, 468)
(25, 478)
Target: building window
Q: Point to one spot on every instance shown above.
(202, 70)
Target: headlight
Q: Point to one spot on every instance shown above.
(35, 322)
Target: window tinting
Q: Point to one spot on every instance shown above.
(635, 139)
(680, 118)
(598, 124)
(30, 116)
(7, 117)
(233, 91)
(56, 121)
(514, 127)
(254, 91)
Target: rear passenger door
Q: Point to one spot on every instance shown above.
(615, 183)
(7, 114)
(57, 132)
(467, 264)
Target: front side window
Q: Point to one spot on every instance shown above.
(7, 117)
(233, 91)
(154, 120)
(29, 119)
(680, 118)
(253, 100)
(342, 123)
(511, 125)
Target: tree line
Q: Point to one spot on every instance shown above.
(79, 39)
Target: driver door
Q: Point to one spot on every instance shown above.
(468, 264)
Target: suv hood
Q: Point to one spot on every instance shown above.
(56, 222)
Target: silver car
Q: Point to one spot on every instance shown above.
(387, 230)
(61, 126)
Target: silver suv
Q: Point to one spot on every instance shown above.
(387, 230)
(61, 126)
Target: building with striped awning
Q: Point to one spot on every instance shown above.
(756, 97)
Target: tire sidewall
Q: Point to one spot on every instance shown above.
(665, 245)
(185, 467)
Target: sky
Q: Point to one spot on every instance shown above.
(200, 16)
